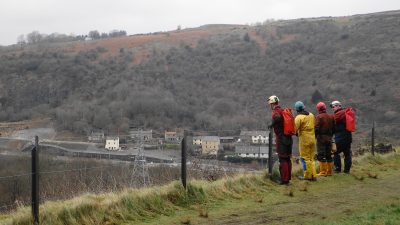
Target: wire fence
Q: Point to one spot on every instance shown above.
(210, 155)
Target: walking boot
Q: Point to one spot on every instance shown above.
(329, 166)
(322, 169)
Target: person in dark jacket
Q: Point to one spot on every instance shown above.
(283, 142)
(343, 139)
(324, 128)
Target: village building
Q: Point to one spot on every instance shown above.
(227, 139)
(96, 136)
(209, 145)
(112, 143)
(254, 137)
(251, 151)
(197, 140)
(171, 137)
(141, 135)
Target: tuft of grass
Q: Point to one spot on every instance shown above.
(372, 175)
(358, 176)
(303, 187)
(203, 213)
(289, 192)
(186, 221)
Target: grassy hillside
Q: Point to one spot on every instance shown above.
(212, 77)
(368, 196)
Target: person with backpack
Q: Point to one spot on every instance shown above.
(324, 128)
(304, 127)
(343, 137)
(284, 141)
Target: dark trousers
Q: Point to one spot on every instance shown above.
(344, 147)
(284, 148)
(285, 169)
(324, 150)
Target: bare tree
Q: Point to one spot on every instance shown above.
(34, 37)
(94, 34)
(21, 40)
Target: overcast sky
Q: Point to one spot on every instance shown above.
(81, 16)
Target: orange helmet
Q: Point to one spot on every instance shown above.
(321, 106)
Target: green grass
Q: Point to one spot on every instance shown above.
(388, 214)
(369, 195)
(172, 146)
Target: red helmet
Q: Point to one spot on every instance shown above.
(321, 106)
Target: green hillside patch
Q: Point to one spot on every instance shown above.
(368, 196)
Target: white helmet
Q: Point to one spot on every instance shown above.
(273, 99)
(335, 103)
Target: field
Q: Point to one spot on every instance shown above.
(368, 196)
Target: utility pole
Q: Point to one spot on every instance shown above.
(140, 171)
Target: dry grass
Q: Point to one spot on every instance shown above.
(203, 213)
(140, 205)
(289, 192)
(186, 221)
(303, 187)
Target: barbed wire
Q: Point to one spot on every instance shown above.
(17, 175)
(7, 206)
(59, 171)
(79, 169)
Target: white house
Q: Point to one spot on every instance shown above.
(197, 140)
(251, 151)
(112, 143)
(255, 137)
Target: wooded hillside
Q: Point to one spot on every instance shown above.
(211, 77)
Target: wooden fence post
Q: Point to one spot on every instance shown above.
(183, 159)
(35, 181)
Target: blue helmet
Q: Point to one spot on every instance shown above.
(299, 106)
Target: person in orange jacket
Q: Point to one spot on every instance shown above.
(324, 128)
